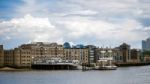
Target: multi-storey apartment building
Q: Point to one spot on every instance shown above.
(135, 55)
(9, 57)
(125, 52)
(26, 54)
(17, 57)
(78, 54)
(91, 51)
(22, 56)
(41, 51)
(117, 55)
(121, 54)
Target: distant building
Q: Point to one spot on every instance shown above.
(122, 54)
(146, 58)
(66, 45)
(146, 44)
(22, 56)
(17, 57)
(39, 52)
(1, 56)
(117, 55)
(79, 46)
(78, 54)
(9, 58)
(25, 54)
(135, 55)
(125, 52)
(91, 52)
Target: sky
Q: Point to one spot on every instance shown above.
(94, 22)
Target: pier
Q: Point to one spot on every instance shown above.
(54, 64)
(53, 67)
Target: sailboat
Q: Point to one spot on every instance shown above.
(105, 62)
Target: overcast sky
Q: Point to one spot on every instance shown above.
(98, 22)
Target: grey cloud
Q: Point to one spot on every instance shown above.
(90, 21)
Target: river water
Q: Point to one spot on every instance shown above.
(123, 75)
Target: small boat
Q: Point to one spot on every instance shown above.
(106, 68)
(106, 64)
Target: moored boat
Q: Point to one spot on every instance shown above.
(105, 62)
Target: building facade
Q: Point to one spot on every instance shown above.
(124, 50)
(9, 58)
(135, 56)
(117, 55)
(17, 57)
(27, 54)
(91, 51)
(80, 55)
(43, 51)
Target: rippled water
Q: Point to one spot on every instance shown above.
(125, 75)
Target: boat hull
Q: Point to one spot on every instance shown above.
(107, 68)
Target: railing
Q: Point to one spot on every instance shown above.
(52, 62)
(106, 58)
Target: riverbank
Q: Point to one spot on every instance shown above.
(132, 64)
(13, 69)
(117, 64)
